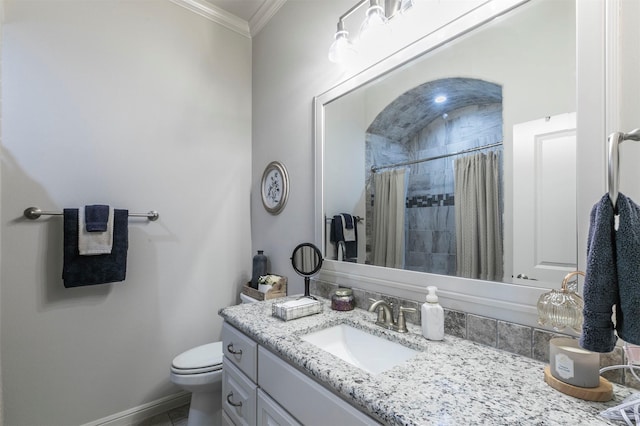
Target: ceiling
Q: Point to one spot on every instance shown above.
(243, 9)
(415, 109)
(255, 12)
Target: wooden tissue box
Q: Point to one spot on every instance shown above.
(278, 289)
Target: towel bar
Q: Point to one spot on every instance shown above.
(357, 218)
(614, 140)
(34, 213)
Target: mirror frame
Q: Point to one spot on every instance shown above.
(499, 300)
(318, 266)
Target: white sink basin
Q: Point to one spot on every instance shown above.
(370, 353)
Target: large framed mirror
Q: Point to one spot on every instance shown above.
(400, 147)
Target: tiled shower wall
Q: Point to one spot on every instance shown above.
(430, 217)
(515, 338)
(430, 214)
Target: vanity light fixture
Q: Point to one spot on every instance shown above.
(374, 21)
(377, 15)
(342, 48)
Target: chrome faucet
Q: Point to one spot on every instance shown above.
(385, 315)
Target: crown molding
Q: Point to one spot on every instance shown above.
(264, 14)
(248, 29)
(217, 15)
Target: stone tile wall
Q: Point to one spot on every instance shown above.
(515, 338)
(429, 218)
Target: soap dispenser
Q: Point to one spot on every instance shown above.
(432, 316)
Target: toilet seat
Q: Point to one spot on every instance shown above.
(201, 359)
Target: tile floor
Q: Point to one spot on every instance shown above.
(176, 417)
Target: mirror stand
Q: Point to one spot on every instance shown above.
(306, 260)
(307, 282)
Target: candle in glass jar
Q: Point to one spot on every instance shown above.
(572, 364)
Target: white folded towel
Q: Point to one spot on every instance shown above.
(93, 243)
(349, 234)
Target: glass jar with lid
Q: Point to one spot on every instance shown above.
(343, 300)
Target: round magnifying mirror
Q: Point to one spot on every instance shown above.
(306, 260)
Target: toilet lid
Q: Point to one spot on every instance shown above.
(199, 359)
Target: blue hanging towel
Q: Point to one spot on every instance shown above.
(601, 280)
(96, 218)
(99, 269)
(628, 268)
(612, 276)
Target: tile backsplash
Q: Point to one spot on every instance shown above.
(515, 338)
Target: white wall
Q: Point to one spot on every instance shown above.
(1, 24)
(290, 67)
(345, 180)
(141, 105)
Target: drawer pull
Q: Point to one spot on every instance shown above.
(234, 404)
(233, 351)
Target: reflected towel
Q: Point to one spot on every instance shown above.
(337, 234)
(349, 232)
(100, 269)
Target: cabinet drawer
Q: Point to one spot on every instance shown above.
(226, 420)
(240, 350)
(308, 401)
(238, 395)
(270, 413)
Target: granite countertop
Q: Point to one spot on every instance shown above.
(451, 382)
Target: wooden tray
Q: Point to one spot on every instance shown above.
(602, 393)
(277, 290)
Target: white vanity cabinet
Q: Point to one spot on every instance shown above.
(259, 388)
(270, 413)
(239, 377)
(239, 398)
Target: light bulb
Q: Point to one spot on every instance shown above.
(405, 5)
(341, 49)
(374, 21)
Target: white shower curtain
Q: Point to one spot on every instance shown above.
(388, 218)
(478, 217)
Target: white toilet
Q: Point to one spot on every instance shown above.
(199, 371)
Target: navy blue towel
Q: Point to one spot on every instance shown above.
(601, 280)
(96, 218)
(336, 235)
(612, 276)
(348, 220)
(628, 267)
(100, 269)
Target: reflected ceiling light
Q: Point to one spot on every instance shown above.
(440, 99)
(378, 14)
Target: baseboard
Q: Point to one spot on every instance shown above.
(137, 414)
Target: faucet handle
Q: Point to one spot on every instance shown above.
(402, 323)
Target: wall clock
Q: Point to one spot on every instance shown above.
(275, 187)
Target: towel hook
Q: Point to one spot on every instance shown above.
(614, 140)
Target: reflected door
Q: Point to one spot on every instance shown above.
(544, 188)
